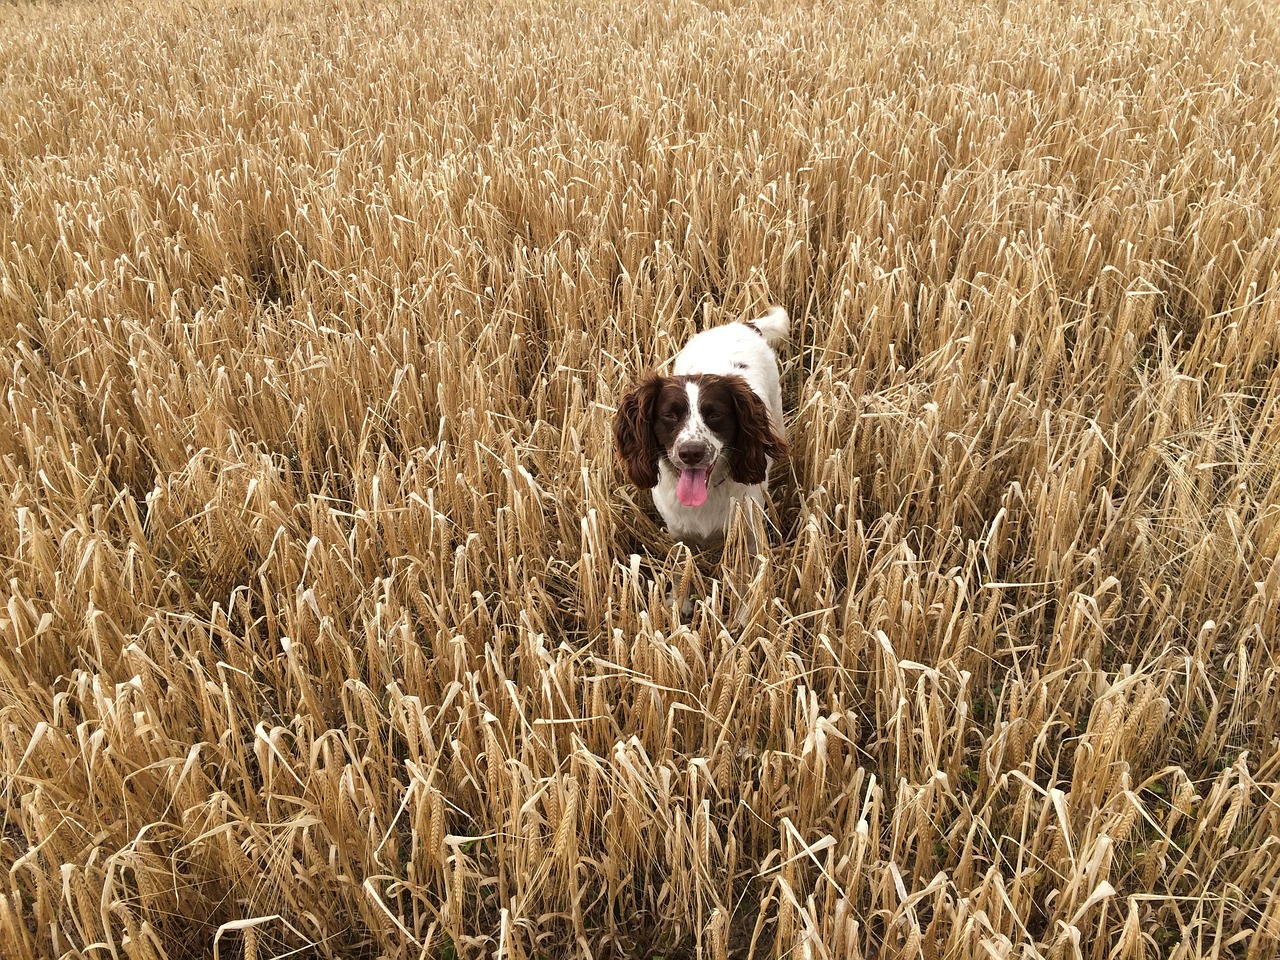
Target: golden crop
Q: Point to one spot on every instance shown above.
(330, 629)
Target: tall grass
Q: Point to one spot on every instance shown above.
(330, 629)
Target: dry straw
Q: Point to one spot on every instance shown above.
(330, 629)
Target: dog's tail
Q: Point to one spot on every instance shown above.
(774, 326)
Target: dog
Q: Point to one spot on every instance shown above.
(705, 436)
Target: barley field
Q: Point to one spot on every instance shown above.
(331, 628)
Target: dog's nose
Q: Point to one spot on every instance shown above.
(692, 453)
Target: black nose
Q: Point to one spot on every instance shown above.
(693, 453)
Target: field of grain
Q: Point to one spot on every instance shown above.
(330, 627)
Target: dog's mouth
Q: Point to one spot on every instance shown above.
(691, 487)
(691, 490)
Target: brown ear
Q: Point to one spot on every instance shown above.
(757, 442)
(637, 447)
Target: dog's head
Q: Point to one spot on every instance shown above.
(695, 423)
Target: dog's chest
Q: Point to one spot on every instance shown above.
(705, 524)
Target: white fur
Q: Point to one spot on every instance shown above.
(734, 348)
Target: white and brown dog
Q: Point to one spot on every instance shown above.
(705, 436)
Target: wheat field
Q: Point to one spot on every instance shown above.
(330, 627)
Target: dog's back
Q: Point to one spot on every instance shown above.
(743, 348)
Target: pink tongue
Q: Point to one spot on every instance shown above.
(692, 488)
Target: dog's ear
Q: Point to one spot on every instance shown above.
(637, 447)
(757, 442)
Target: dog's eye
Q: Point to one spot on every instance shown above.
(713, 415)
(670, 416)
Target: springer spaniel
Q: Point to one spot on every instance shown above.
(706, 435)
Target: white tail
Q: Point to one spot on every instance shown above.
(774, 326)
